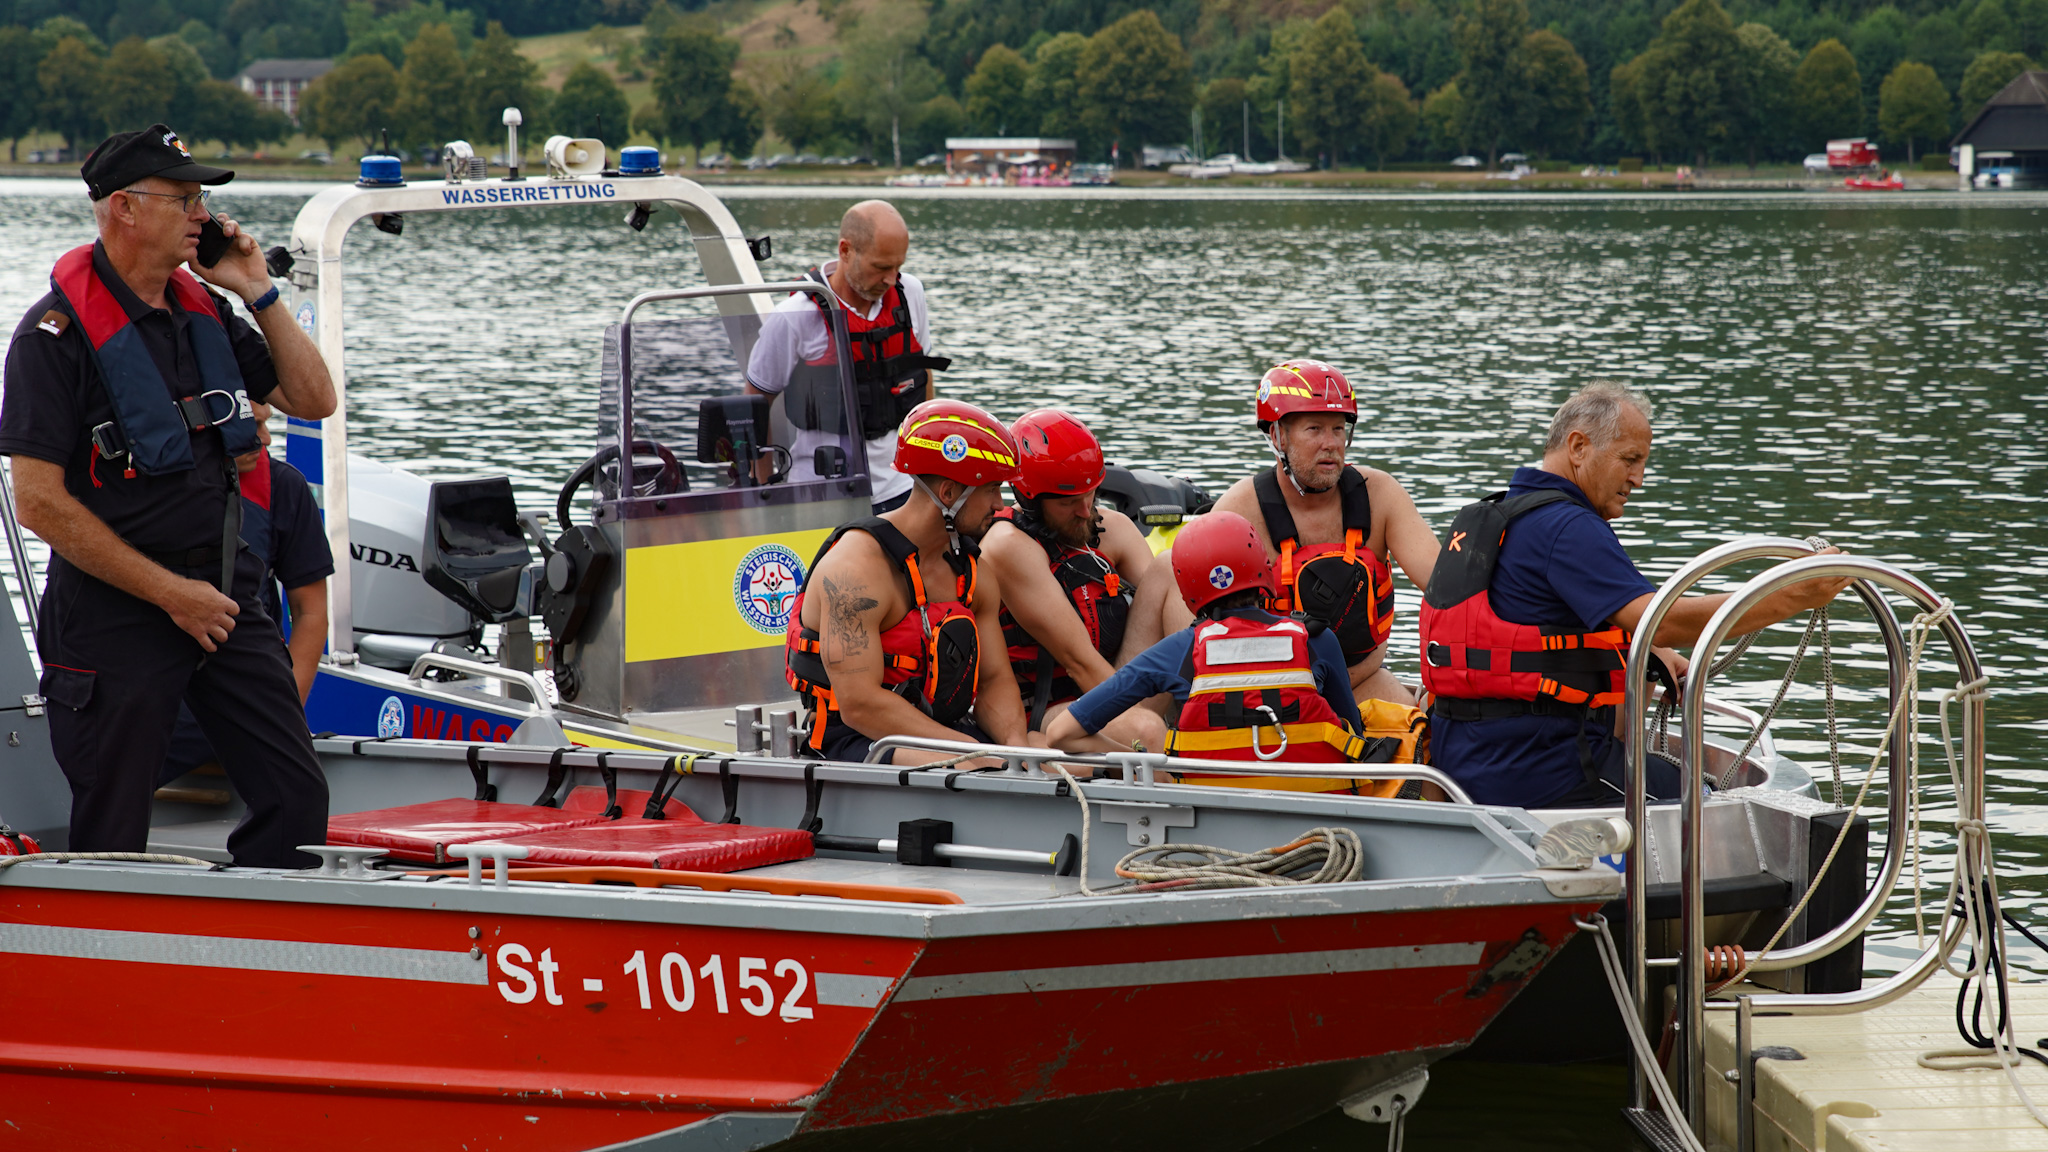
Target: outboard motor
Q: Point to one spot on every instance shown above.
(398, 616)
(1152, 499)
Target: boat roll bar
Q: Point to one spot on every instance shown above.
(316, 278)
(1143, 767)
(1871, 578)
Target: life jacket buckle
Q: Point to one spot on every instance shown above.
(1260, 752)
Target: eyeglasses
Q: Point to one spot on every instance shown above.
(185, 199)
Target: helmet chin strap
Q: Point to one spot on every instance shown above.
(948, 511)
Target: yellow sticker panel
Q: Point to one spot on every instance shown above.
(711, 596)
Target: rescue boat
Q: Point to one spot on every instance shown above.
(691, 938)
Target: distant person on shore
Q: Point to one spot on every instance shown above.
(889, 332)
(1537, 574)
(1070, 568)
(281, 525)
(1329, 525)
(128, 396)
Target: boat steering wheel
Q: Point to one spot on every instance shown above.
(666, 482)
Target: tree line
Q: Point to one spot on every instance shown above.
(60, 76)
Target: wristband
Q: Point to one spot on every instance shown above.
(263, 301)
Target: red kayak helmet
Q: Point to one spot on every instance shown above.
(1216, 554)
(1304, 386)
(954, 439)
(1057, 455)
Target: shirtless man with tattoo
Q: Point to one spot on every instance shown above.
(897, 631)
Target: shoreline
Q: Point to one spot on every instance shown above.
(1782, 179)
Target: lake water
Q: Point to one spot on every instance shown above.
(1867, 369)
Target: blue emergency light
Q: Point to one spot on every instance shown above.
(639, 160)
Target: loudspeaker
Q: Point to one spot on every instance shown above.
(574, 156)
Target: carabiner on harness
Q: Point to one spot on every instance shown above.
(1276, 753)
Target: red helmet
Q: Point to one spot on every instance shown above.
(1057, 455)
(1216, 554)
(956, 440)
(1304, 386)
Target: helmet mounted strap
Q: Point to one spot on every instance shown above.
(948, 511)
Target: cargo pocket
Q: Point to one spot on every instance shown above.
(69, 687)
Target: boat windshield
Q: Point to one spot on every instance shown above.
(690, 401)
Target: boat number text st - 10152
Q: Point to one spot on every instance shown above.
(673, 973)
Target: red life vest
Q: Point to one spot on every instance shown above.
(156, 427)
(1099, 596)
(1480, 666)
(1252, 696)
(932, 656)
(888, 368)
(1346, 586)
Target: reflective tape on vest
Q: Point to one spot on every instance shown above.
(1239, 681)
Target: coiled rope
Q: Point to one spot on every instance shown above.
(127, 857)
(1318, 856)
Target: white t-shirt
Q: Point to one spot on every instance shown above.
(795, 333)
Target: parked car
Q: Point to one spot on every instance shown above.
(806, 158)
(309, 156)
(1468, 162)
(715, 160)
(1817, 162)
(930, 160)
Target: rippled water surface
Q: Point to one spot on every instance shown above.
(1870, 370)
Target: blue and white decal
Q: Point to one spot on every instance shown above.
(764, 587)
(954, 448)
(391, 718)
(308, 317)
(528, 193)
(1221, 576)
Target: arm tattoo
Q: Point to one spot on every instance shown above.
(844, 608)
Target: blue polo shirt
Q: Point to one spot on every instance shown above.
(1157, 669)
(1561, 567)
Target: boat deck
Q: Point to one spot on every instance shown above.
(207, 840)
(1861, 1088)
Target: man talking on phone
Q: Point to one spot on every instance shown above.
(128, 396)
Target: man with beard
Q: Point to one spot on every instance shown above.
(896, 631)
(889, 333)
(1330, 526)
(1069, 569)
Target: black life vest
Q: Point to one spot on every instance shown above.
(931, 657)
(888, 369)
(1480, 666)
(156, 427)
(1346, 586)
(1099, 596)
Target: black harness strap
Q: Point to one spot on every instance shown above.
(612, 811)
(485, 790)
(557, 773)
(1352, 490)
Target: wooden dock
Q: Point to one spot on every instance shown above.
(1860, 1087)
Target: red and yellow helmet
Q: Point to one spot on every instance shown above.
(1304, 386)
(957, 440)
(1057, 455)
(1216, 554)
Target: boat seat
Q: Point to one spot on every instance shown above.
(424, 832)
(680, 840)
(475, 551)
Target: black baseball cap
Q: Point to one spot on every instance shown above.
(125, 157)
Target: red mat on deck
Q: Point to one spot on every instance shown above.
(424, 832)
(681, 841)
(575, 834)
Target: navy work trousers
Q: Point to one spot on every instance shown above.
(114, 670)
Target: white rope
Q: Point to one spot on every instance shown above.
(1983, 925)
(125, 857)
(1318, 856)
(1074, 786)
(1646, 1057)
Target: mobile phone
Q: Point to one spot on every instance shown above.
(213, 242)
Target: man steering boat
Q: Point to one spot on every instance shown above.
(1070, 569)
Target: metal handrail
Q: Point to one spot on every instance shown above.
(1970, 806)
(17, 547)
(526, 680)
(1142, 767)
(1634, 710)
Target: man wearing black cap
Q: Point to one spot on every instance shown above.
(128, 396)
